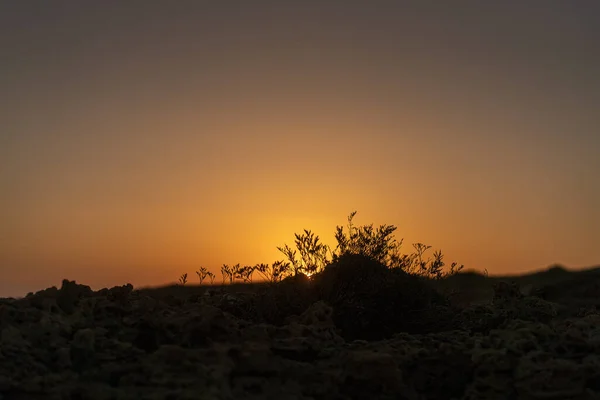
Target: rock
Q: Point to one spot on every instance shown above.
(317, 324)
(122, 343)
(506, 291)
(120, 294)
(549, 378)
(63, 358)
(367, 372)
(207, 325)
(70, 294)
(82, 348)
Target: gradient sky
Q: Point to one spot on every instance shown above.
(143, 139)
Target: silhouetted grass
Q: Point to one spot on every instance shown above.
(374, 289)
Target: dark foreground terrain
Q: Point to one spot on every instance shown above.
(487, 341)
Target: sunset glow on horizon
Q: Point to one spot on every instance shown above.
(142, 140)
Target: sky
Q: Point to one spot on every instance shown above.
(144, 139)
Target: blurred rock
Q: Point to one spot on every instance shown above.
(297, 341)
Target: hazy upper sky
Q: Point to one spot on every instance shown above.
(143, 139)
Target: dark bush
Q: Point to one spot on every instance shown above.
(371, 301)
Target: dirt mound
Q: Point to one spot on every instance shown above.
(371, 301)
(276, 303)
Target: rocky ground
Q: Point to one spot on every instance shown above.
(120, 343)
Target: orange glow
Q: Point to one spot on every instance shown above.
(138, 150)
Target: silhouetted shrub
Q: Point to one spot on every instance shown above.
(369, 300)
(183, 279)
(228, 273)
(374, 290)
(203, 273)
(379, 244)
(243, 273)
(274, 272)
(312, 253)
